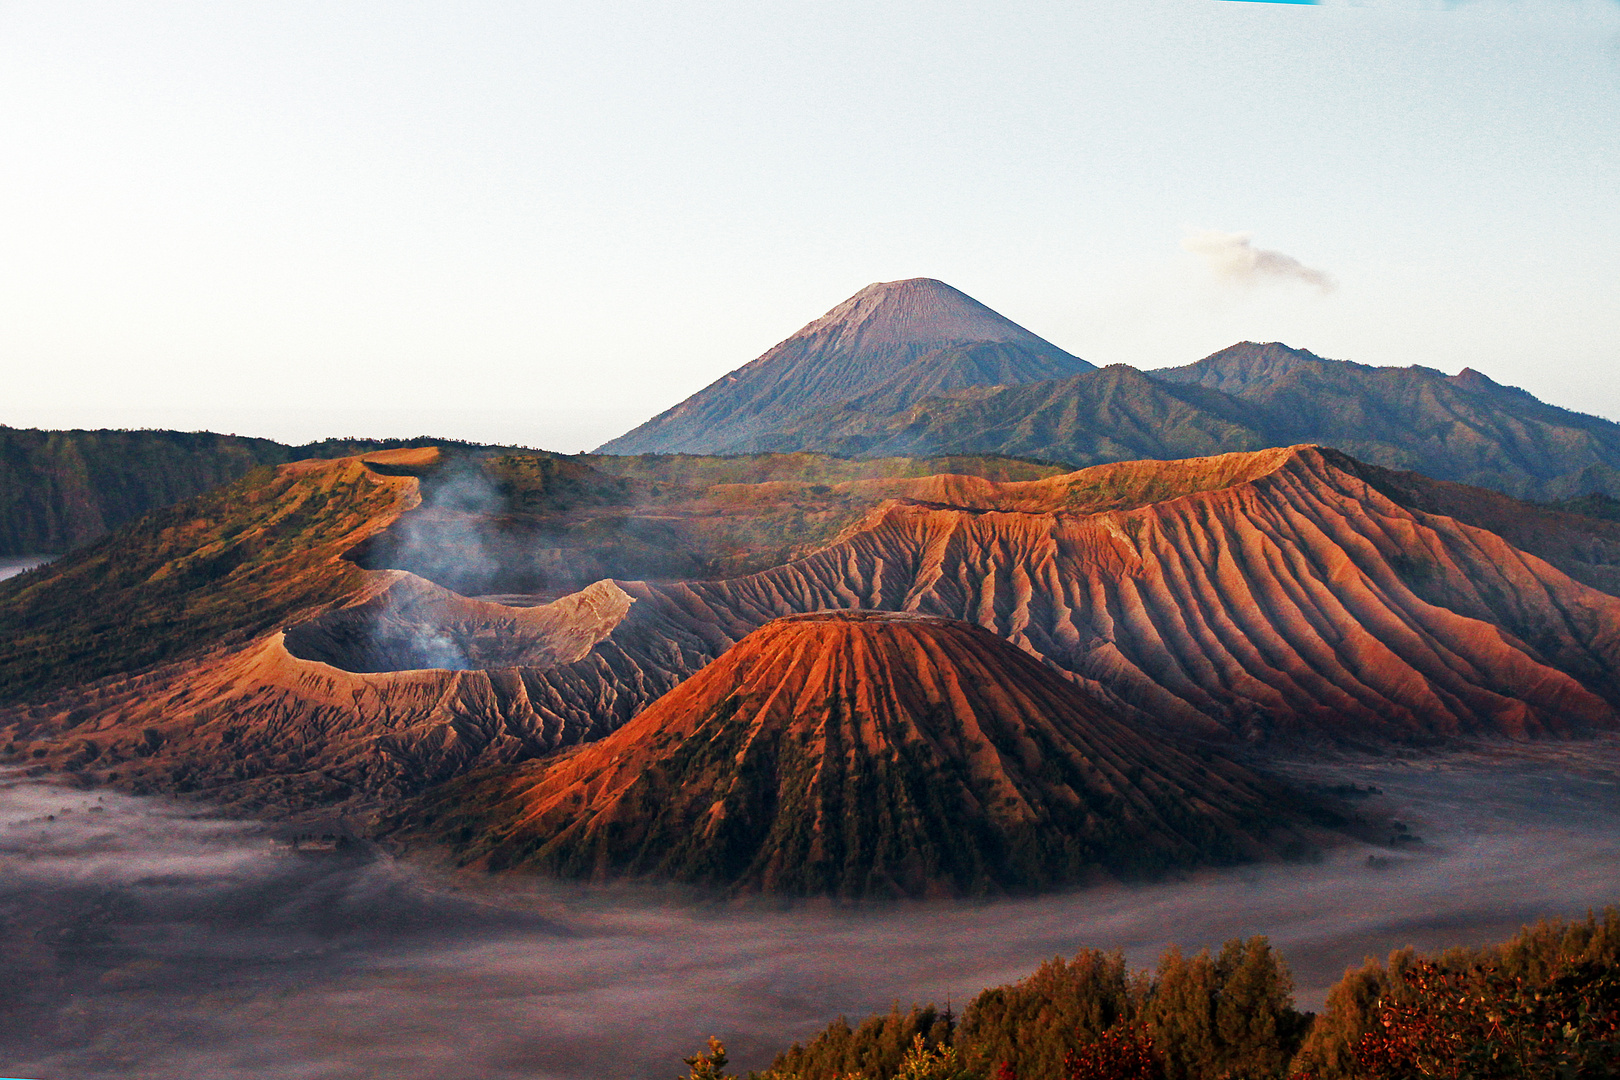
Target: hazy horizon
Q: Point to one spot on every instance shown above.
(543, 224)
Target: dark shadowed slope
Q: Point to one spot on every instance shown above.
(1291, 594)
(226, 565)
(60, 490)
(866, 754)
(906, 333)
(1113, 414)
(1463, 428)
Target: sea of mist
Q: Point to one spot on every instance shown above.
(147, 938)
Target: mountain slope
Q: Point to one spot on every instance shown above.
(60, 490)
(857, 347)
(228, 564)
(1463, 428)
(1282, 596)
(550, 524)
(959, 367)
(1113, 414)
(240, 559)
(188, 589)
(862, 754)
(1256, 596)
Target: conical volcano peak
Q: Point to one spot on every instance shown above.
(915, 311)
(889, 336)
(868, 754)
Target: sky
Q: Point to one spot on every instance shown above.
(541, 223)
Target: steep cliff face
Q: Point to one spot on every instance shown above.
(861, 754)
(906, 337)
(1286, 595)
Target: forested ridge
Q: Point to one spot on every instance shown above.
(1544, 1004)
(60, 490)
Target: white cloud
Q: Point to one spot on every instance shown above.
(1233, 258)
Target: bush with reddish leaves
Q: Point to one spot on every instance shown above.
(1122, 1053)
(1478, 1024)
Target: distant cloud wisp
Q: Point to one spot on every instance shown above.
(1232, 257)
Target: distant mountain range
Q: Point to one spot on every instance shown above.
(971, 382)
(916, 369)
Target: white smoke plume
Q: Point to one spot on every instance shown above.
(1233, 258)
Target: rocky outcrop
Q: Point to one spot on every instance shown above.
(860, 754)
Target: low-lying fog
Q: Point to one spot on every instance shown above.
(144, 940)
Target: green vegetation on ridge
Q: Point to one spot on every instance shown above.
(60, 490)
(218, 567)
(1544, 1005)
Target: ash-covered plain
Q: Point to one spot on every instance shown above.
(146, 938)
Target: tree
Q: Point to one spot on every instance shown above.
(925, 1062)
(1256, 1026)
(1351, 1010)
(877, 1049)
(1537, 957)
(708, 1065)
(1232, 1016)
(1180, 1014)
(1032, 1024)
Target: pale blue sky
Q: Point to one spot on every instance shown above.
(543, 223)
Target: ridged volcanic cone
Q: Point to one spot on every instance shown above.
(868, 754)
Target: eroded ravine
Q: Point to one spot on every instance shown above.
(1281, 596)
